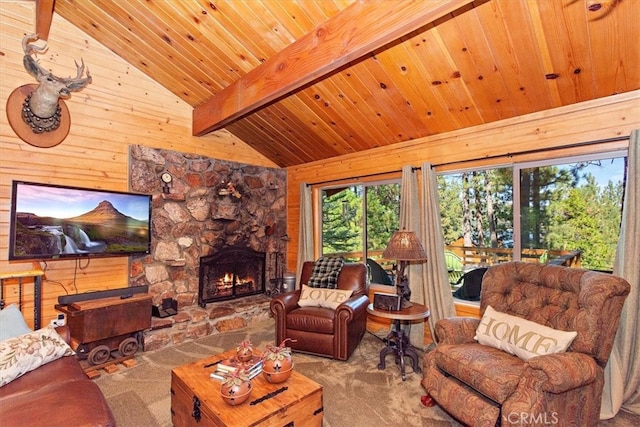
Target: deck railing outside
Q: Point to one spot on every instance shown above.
(461, 259)
(482, 256)
(474, 255)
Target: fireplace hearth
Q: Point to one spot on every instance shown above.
(231, 273)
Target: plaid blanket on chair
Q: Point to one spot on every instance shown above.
(325, 272)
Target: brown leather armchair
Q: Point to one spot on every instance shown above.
(324, 331)
(481, 385)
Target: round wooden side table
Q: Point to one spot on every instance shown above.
(397, 341)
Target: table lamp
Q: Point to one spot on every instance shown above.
(404, 246)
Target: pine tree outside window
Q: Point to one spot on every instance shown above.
(358, 220)
(564, 211)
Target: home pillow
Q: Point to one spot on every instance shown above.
(318, 297)
(24, 353)
(12, 323)
(521, 337)
(325, 272)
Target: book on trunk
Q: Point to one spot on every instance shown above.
(221, 375)
(253, 367)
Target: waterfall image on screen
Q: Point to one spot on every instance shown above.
(56, 222)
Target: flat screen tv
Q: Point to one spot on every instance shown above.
(56, 222)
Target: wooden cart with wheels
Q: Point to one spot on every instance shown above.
(108, 330)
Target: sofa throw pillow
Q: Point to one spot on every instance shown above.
(12, 323)
(325, 272)
(318, 297)
(24, 353)
(521, 337)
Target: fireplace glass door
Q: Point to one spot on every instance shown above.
(231, 273)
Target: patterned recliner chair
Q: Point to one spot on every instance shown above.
(484, 386)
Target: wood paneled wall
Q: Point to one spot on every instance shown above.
(121, 107)
(605, 118)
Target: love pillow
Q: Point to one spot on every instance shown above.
(520, 337)
(322, 297)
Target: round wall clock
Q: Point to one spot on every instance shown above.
(166, 177)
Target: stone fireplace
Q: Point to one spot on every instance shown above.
(210, 206)
(231, 273)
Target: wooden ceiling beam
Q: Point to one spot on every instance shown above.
(357, 31)
(44, 16)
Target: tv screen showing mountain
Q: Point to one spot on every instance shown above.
(53, 221)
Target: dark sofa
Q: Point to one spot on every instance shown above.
(55, 394)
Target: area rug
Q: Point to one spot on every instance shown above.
(355, 393)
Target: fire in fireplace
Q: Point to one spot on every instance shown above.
(231, 273)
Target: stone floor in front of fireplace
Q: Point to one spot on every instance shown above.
(195, 321)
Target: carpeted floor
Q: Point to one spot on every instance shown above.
(355, 393)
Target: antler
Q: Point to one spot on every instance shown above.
(29, 48)
(77, 83)
(71, 84)
(30, 63)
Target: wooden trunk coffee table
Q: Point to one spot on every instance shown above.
(196, 400)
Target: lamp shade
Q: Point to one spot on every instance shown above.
(405, 246)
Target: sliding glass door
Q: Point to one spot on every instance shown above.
(564, 211)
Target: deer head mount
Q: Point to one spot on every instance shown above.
(41, 108)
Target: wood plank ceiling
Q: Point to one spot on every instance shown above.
(481, 61)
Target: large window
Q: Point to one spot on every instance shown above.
(565, 211)
(358, 221)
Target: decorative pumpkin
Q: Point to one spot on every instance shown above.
(236, 387)
(244, 351)
(277, 362)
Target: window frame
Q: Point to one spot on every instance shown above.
(517, 167)
(467, 166)
(318, 225)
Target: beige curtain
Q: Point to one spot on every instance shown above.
(305, 233)
(437, 289)
(428, 280)
(410, 221)
(622, 374)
